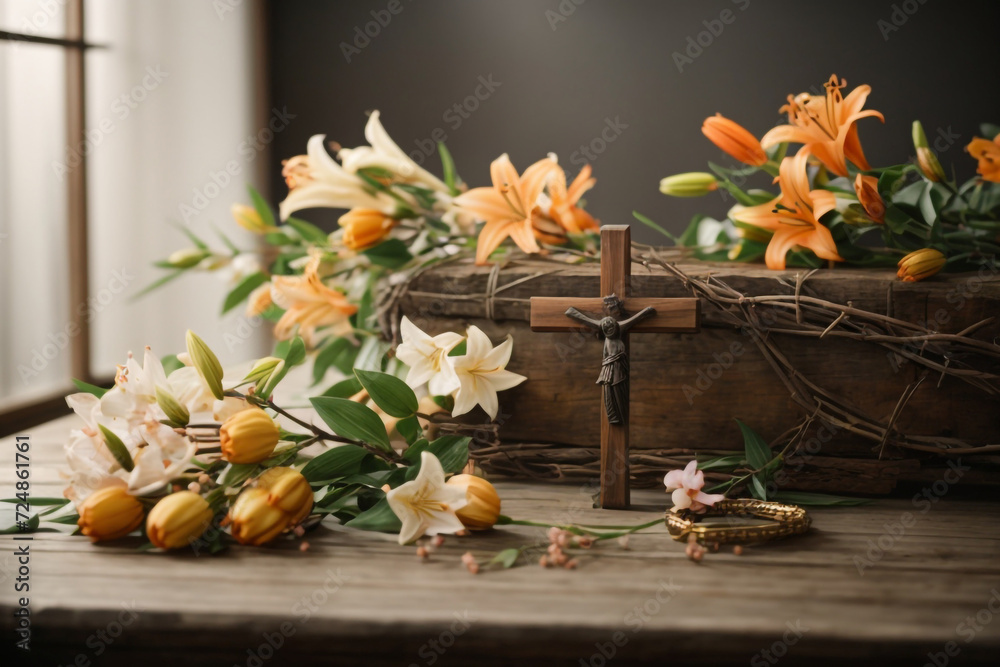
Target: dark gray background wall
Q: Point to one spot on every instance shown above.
(566, 72)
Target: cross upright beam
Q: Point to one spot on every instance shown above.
(614, 314)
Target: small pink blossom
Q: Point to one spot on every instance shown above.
(686, 486)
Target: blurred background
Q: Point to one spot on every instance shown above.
(125, 123)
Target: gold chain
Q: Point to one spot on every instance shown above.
(790, 520)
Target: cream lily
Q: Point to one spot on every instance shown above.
(481, 373)
(426, 505)
(427, 357)
(384, 153)
(316, 180)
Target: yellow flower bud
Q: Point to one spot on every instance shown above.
(249, 219)
(262, 369)
(693, 184)
(920, 264)
(249, 436)
(109, 513)
(206, 362)
(288, 491)
(483, 507)
(926, 159)
(866, 187)
(172, 408)
(254, 521)
(364, 227)
(178, 520)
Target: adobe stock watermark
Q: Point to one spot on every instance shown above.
(248, 149)
(34, 23)
(102, 640)
(303, 610)
(923, 501)
(364, 34)
(454, 116)
(608, 134)
(635, 620)
(562, 12)
(121, 109)
(770, 655)
(968, 628)
(898, 17)
(57, 341)
(434, 649)
(696, 44)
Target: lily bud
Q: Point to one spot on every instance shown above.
(920, 264)
(178, 520)
(734, 139)
(109, 513)
(206, 362)
(866, 187)
(928, 162)
(185, 259)
(482, 508)
(288, 491)
(262, 370)
(249, 219)
(249, 436)
(175, 412)
(364, 227)
(254, 521)
(693, 184)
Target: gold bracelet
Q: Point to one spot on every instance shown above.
(789, 520)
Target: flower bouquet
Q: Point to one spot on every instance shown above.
(832, 206)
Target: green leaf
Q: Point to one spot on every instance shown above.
(13, 529)
(989, 130)
(117, 448)
(448, 168)
(757, 488)
(389, 393)
(308, 231)
(344, 389)
(379, 517)
(237, 473)
(689, 238)
(339, 353)
(335, 462)
(652, 225)
(279, 239)
(452, 451)
(818, 499)
(352, 420)
(243, 290)
(410, 429)
(506, 558)
(263, 208)
(757, 452)
(391, 253)
(292, 351)
(201, 245)
(722, 462)
(88, 388)
(160, 282)
(39, 501)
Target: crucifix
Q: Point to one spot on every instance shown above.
(614, 315)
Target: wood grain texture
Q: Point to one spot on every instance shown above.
(548, 314)
(359, 598)
(686, 389)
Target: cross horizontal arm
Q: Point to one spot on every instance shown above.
(672, 315)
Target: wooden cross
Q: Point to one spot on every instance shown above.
(614, 318)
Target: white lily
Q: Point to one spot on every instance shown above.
(317, 181)
(481, 373)
(165, 456)
(384, 153)
(134, 395)
(427, 357)
(426, 505)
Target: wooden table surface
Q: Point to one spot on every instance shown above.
(359, 598)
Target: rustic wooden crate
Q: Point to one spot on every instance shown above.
(688, 388)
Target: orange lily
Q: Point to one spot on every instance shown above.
(734, 139)
(866, 187)
(310, 304)
(794, 215)
(920, 264)
(988, 154)
(564, 209)
(506, 207)
(826, 125)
